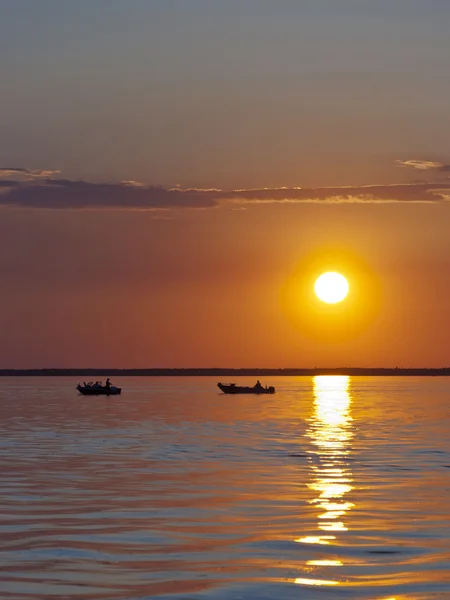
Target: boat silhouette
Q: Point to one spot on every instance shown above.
(92, 389)
(232, 388)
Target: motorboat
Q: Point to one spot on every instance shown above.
(95, 389)
(232, 388)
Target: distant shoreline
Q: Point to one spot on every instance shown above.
(224, 372)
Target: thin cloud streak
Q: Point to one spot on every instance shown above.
(21, 172)
(424, 165)
(370, 194)
(51, 193)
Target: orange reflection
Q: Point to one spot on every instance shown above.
(313, 539)
(302, 581)
(331, 434)
(325, 563)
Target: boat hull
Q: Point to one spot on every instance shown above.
(238, 389)
(92, 391)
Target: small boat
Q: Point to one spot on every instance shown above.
(232, 388)
(98, 390)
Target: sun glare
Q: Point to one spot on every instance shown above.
(331, 287)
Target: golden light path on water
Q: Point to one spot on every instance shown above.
(331, 436)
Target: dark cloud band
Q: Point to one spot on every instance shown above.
(50, 193)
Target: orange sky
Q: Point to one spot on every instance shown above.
(224, 287)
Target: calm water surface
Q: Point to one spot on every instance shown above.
(335, 487)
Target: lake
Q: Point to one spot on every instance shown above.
(334, 487)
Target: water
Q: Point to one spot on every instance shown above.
(335, 487)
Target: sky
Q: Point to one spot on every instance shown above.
(175, 174)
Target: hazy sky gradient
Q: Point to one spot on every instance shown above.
(214, 114)
(232, 94)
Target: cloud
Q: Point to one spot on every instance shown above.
(8, 183)
(51, 193)
(424, 165)
(370, 194)
(64, 193)
(133, 183)
(20, 172)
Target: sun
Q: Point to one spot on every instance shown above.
(331, 287)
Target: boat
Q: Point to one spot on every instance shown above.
(89, 389)
(232, 388)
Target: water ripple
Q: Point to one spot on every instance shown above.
(332, 488)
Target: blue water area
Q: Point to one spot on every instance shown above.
(334, 487)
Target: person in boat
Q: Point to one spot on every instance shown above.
(108, 384)
(258, 385)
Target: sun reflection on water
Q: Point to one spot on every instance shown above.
(331, 435)
(302, 581)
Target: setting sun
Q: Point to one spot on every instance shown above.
(331, 287)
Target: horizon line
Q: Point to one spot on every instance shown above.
(217, 371)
